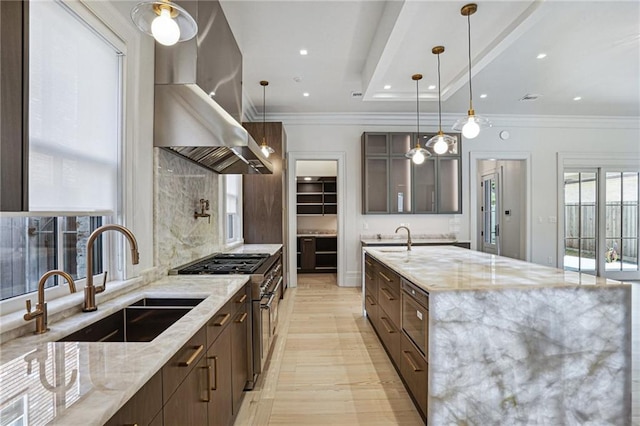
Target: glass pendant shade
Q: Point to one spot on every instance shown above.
(165, 21)
(441, 143)
(417, 154)
(471, 124)
(266, 149)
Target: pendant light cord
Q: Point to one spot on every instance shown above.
(264, 134)
(469, 44)
(418, 110)
(439, 98)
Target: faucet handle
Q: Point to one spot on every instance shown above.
(103, 287)
(31, 315)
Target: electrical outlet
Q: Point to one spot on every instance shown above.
(549, 260)
(365, 225)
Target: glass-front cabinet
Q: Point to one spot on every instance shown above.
(392, 184)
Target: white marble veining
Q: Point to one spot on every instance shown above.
(520, 344)
(179, 185)
(71, 383)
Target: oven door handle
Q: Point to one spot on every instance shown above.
(269, 302)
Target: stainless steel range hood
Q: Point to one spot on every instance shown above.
(189, 76)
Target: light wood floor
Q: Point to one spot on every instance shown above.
(327, 366)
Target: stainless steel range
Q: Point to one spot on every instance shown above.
(266, 291)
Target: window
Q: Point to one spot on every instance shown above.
(75, 139)
(233, 208)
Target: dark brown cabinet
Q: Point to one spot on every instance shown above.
(317, 253)
(203, 383)
(306, 254)
(383, 303)
(13, 105)
(221, 401)
(264, 200)
(392, 184)
(144, 407)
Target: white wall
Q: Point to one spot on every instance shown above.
(543, 138)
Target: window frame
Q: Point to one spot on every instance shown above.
(238, 237)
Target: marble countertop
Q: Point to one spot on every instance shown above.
(256, 248)
(403, 240)
(314, 234)
(95, 379)
(445, 268)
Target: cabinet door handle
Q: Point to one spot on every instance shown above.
(223, 321)
(242, 299)
(387, 294)
(215, 373)
(242, 318)
(385, 322)
(193, 356)
(371, 301)
(208, 368)
(409, 358)
(385, 277)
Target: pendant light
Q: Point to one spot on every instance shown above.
(266, 149)
(470, 125)
(417, 154)
(440, 143)
(167, 22)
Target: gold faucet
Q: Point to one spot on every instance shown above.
(90, 290)
(40, 314)
(408, 236)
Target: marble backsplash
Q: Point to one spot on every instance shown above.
(179, 185)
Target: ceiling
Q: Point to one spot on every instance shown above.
(592, 51)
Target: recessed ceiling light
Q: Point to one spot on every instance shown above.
(432, 87)
(307, 178)
(577, 98)
(484, 95)
(541, 56)
(305, 94)
(387, 86)
(304, 52)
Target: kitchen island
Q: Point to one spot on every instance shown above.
(509, 342)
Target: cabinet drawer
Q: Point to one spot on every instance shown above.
(143, 406)
(415, 372)
(177, 368)
(390, 279)
(389, 334)
(389, 300)
(371, 306)
(224, 316)
(370, 282)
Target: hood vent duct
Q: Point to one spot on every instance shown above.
(187, 120)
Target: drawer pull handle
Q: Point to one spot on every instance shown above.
(371, 301)
(387, 294)
(193, 356)
(215, 373)
(369, 277)
(308, 239)
(242, 318)
(385, 322)
(242, 299)
(368, 262)
(409, 358)
(385, 277)
(223, 321)
(208, 368)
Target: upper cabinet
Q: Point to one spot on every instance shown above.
(13, 107)
(393, 184)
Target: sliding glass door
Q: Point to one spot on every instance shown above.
(601, 222)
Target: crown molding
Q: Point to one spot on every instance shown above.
(431, 120)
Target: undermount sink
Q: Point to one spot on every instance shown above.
(142, 321)
(392, 249)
